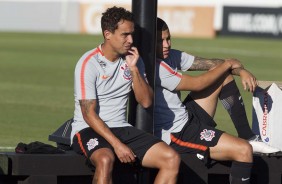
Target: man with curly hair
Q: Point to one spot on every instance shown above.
(104, 77)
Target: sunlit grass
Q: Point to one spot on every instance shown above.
(36, 77)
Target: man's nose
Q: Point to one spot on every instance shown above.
(130, 38)
(166, 43)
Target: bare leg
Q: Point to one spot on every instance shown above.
(232, 101)
(103, 159)
(240, 152)
(164, 158)
(208, 98)
(232, 148)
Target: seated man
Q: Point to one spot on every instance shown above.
(225, 89)
(104, 77)
(191, 129)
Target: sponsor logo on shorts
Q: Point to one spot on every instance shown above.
(201, 157)
(207, 135)
(92, 143)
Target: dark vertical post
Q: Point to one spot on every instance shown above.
(145, 13)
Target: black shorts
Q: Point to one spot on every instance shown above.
(87, 141)
(198, 134)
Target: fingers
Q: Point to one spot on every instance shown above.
(133, 51)
(131, 157)
(249, 81)
(250, 84)
(254, 84)
(125, 154)
(127, 158)
(132, 57)
(244, 85)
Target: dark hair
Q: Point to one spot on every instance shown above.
(112, 16)
(161, 25)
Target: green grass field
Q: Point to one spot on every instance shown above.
(36, 77)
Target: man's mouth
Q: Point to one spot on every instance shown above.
(128, 47)
(165, 52)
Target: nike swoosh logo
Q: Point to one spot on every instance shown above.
(245, 179)
(104, 76)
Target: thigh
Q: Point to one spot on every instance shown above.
(137, 140)
(158, 155)
(229, 147)
(198, 113)
(88, 141)
(207, 99)
(195, 138)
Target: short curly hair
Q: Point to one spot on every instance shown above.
(112, 16)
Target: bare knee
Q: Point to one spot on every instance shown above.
(103, 159)
(162, 157)
(232, 148)
(228, 79)
(172, 160)
(245, 153)
(106, 160)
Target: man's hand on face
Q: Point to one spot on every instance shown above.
(132, 57)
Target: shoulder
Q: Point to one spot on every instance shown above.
(178, 53)
(175, 51)
(162, 65)
(90, 56)
(88, 61)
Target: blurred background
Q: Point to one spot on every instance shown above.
(201, 18)
(41, 41)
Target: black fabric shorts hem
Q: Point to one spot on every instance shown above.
(198, 134)
(87, 141)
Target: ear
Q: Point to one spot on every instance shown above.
(107, 34)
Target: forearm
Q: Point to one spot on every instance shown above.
(143, 92)
(95, 122)
(198, 83)
(212, 76)
(237, 71)
(203, 64)
(102, 129)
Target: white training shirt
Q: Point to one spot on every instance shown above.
(170, 115)
(107, 82)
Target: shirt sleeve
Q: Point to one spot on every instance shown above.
(167, 77)
(85, 79)
(184, 60)
(141, 68)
